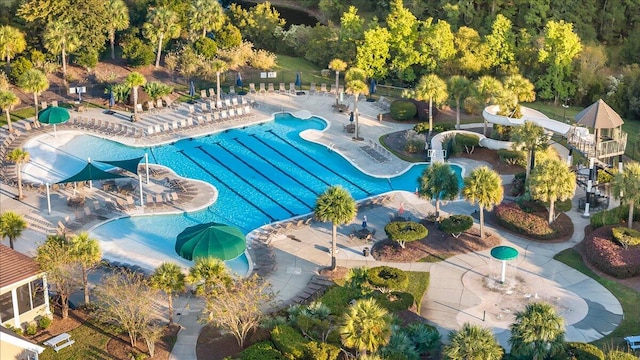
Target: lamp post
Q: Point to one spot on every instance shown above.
(565, 106)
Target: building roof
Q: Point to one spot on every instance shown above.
(17, 340)
(15, 266)
(599, 115)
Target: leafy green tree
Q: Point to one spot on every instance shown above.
(483, 186)
(133, 81)
(355, 80)
(118, 19)
(168, 277)
(228, 36)
(60, 38)
(337, 206)
(366, 326)
(458, 87)
(439, 182)
(472, 342)
(7, 101)
(337, 65)
(501, 43)
(431, 87)
(12, 42)
(11, 226)
(19, 157)
(136, 51)
(205, 15)
(350, 35)
(529, 137)
(471, 58)
(57, 259)
(87, 253)
(34, 81)
(261, 25)
(537, 333)
(403, 30)
(162, 25)
(561, 45)
(552, 180)
(437, 45)
(373, 54)
(626, 186)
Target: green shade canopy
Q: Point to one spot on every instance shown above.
(91, 172)
(53, 115)
(504, 253)
(221, 241)
(130, 165)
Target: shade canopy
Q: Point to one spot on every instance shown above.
(216, 240)
(91, 172)
(130, 165)
(504, 253)
(599, 116)
(53, 115)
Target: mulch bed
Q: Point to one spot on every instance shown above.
(216, 345)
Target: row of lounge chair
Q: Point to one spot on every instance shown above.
(208, 119)
(268, 233)
(292, 90)
(105, 127)
(210, 106)
(375, 201)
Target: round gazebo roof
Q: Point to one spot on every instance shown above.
(504, 253)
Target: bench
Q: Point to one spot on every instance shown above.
(60, 342)
(633, 342)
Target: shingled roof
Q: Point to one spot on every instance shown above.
(15, 266)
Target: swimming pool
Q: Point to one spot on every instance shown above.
(264, 173)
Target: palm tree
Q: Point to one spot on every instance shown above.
(356, 84)
(87, 253)
(529, 137)
(207, 273)
(438, 181)
(206, 15)
(458, 87)
(626, 186)
(11, 225)
(473, 342)
(483, 186)
(553, 180)
(366, 326)
(431, 87)
(118, 19)
(218, 66)
(537, 332)
(34, 81)
(7, 101)
(520, 87)
(487, 88)
(12, 42)
(335, 205)
(134, 80)
(337, 65)
(169, 278)
(60, 37)
(19, 157)
(162, 24)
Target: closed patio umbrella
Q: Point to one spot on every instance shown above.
(298, 80)
(217, 240)
(54, 115)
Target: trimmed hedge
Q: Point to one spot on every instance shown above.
(321, 351)
(423, 127)
(394, 301)
(403, 110)
(625, 236)
(512, 157)
(289, 341)
(615, 216)
(468, 141)
(263, 350)
(405, 231)
(511, 217)
(610, 257)
(584, 351)
(456, 224)
(388, 277)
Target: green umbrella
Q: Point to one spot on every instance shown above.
(221, 241)
(53, 115)
(504, 253)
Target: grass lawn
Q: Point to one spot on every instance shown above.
(629, 299)
(556, 112)
(288, 66)
(90, 343)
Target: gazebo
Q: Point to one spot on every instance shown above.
(598, 133)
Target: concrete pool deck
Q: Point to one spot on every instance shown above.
(453, 296)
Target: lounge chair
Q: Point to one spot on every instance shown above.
(312, 88)
(252, 88)
(203, 93)
(282, 89)
(159, 200)
(323, 88)
(271, 90)
(54, 103)
(232, 90)
(212, 93)
(150, 201)
(292, 88)
(262, 89)
(130, 202)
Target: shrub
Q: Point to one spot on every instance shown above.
(405, 231)
(261, 351)
(44, 322)
(32, 329)
(289, 341)
(425, 337)
(468, 141)
(531, 206)
(584, 351)
(606, 176)
(321, 351)
(387, 277)
(456, 224)
(619, 355)
(513, 218)
(87, 58)
(610, 257)
(206, 47)
(413, 146)
(394, 301)
(442, 127)
(18, 67)
(136, 51)
(517, 184)
(421, 128)
(263, 60)
(501, 132)
(450, 146)
(403, 110)
(399, 347)
(512, 157)
(625, 236)
(615, 216)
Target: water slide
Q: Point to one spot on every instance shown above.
(490, 114)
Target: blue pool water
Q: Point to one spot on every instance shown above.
(264, 173)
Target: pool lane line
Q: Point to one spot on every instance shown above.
(227, 186)
(277, 168)
(256, 170)
(246, 181)
(316, 161)
(290, 160)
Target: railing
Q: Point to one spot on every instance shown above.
(604, 149)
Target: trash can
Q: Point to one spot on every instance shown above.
(380, 117)
(365, 252)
